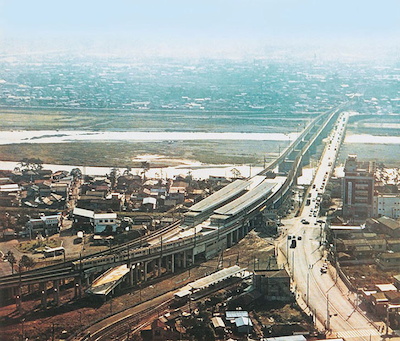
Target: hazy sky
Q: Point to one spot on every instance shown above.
(197, 24)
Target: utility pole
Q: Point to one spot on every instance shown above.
(327, 313)
(308, 286)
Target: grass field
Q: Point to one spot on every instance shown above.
(121, 154)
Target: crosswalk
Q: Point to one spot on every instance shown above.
(357, 334)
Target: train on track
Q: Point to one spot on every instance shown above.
(135, 254)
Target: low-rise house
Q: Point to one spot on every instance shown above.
(397, 281)
(99, 222)
(379, 303)
(149, 204)
(361, 248)
(240, 320)
(10, 195)
(389, 260)
(218, 323)
(58, 175)
(177, 194)
(159, 331)
(10, 199)
(5, 181)
(105, 222)
(393, 245)
(60, 188)
(129, 182)
(385, 225)
(92, 203)
(387, 205)
(44, 225)
(44, 188)
(8, 234)
(274, 285)
(243, 325)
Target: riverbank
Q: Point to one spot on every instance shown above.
(196, 169)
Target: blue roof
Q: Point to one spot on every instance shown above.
(243, 321)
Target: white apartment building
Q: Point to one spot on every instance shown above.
(387, 205)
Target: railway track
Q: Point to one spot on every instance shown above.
(66, 268)
(119, 328)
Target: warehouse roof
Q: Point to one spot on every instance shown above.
(215, 277)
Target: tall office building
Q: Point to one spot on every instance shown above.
(358, 188)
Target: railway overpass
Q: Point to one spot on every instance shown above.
(218, 222)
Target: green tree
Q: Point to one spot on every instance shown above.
(12, 260)
(76, 173)
(114, 175)
(127, 171)
(26, 262)
(31, 164)
(108, 230)
(145, 167)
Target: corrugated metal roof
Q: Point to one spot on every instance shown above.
(217, 322)
(246, 200)
(215, 277)
(82, 212)
(234, 314)
(243, 321)
(105, 216)
(286, 338)
(221, 196)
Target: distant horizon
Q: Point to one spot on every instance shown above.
(208, 29)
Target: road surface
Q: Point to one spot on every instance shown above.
(307, 264)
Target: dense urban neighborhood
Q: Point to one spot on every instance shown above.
(52, 217)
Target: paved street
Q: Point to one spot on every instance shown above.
(334, 309)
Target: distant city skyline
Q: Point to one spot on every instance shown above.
(205, 27)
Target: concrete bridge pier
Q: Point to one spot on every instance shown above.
(145, 264)
(246, 227)
(241, 232)
(18, 298)
(131, 276)
(185, 259)
(31, 288)
(228, 240)
(43, 293)
(173, 263)
(136, 273)
(77, 287)
(286, 165)
(159, 266)
(56, 290)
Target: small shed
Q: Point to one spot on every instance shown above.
(218, 323)
(243, 324)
